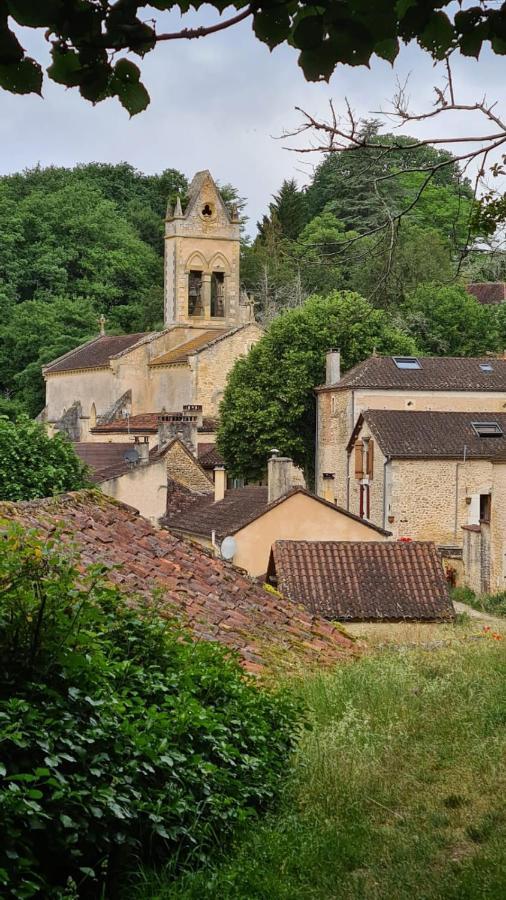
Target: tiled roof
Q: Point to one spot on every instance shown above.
(488, 292)
(445, 435)
(143, 423)
(209, 456)
(95, 354)
(239, 507)
(180, 354)
(106, 460)
(364, 580)
(216, 600)
(436, 373)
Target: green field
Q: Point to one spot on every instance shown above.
(397, 790)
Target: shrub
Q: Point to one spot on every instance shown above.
(34, 465)
(119, 735)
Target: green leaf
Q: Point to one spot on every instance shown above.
(387, 49)
(471, 44)
(272, 26)
(33, 13)
(438, 35)
(3, 770)
(402, 7)
(11, 50)
(308, 33)
(66, 821)
(23, 77)
(65, 68)
(134, 97)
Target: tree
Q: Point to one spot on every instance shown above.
(448, 321)
(86, 37)
(269, 397)
(34, 465)
(288, 210)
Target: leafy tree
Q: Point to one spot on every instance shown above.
(447, 321)
(288, 209)
(86, 37)
(34, 465)
(269, 398)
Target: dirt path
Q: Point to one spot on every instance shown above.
(498, 623)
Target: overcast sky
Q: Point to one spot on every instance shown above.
(217, 103)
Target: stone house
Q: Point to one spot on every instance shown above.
(437, 476)
(363, 581)
(208, 325)
(242, 524)
(397, 383)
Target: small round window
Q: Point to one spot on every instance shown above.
(207, 211)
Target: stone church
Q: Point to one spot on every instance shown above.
(208, 323)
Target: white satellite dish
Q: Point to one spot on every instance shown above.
(228, 547)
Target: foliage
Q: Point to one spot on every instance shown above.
(34, 465)
(447, 321)
(268, 400)
(397, 792)
(86, 38)
(493, 604)
(119, 735)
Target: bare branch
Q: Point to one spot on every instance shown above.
(191, 33)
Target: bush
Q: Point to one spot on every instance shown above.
(120, 736)
(34, 465)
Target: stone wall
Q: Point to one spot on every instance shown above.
(211, 366)
(184, 469)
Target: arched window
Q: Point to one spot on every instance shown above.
(218, 295)
(93, 416)
(195, 303)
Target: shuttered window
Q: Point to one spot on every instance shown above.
(359, 460)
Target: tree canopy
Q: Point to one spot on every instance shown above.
(269, 400)
(32, 464)
(86, 37)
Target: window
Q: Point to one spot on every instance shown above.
(406, 362)
(195, 306)
(486, 367)
(485, 506)
(487, 429)
(365, 502)
(218, 294)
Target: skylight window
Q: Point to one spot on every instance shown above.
(486, 367)
(487, 429)
(406, 362)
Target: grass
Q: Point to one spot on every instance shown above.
(397, 792)
(493, 604)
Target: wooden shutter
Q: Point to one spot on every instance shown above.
(359, 460)
(370, 459)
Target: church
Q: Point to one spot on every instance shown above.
(208, 324)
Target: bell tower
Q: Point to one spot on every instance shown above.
(202, 259)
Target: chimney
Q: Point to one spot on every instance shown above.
(194, 409)
(181, 425)
(333, 367)
(279, 476)
(220, 483)
(142, 447)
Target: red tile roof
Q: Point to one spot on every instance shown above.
(363, 581)
(239, 507)
(217, 601)
(209, 456)
(412, 434)
(488, 292)
(102, 455)
(96, 353)
(144, 423)
(436, 373)
(179, 355)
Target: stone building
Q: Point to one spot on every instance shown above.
(397, 383)
(208, 325)
(436, 476)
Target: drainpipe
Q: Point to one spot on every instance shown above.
(385, 464)
(457, 466)
(316, 445)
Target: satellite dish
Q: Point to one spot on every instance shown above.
(228, 548)
(131, 455)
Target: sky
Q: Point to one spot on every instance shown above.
(222, 103)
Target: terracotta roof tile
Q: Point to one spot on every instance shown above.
(488, 292)
(180, 354)
(363, 581)
(95, 354)
(406, 434)
(436, 373)
(209, 456)
(147, 423)
(217, 601)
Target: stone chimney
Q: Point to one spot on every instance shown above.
(220, 483)
(178, 425)
(142, 447)
(279, 476)
(333, 367)
(194, 409)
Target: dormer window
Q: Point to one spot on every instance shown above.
(407, 362)
(486, 367)
(487, 429)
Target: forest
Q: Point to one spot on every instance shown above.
(81, 242)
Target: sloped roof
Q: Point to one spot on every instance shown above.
(363, 581)
(179, 355)
(436, 373)
(239, 507)
(216, 600)
(143, 423)
(209, 456)
(412, 434)
(106, 460)
(488, 292)
(96, 353)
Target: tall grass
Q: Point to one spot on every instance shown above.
(398, 789)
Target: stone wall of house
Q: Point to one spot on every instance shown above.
(334, 429)
(211, 366)
(181, 467)
(143, 487)
(376, 485)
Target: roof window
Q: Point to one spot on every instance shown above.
(406, 362)
(486, 367)
(487, 429)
